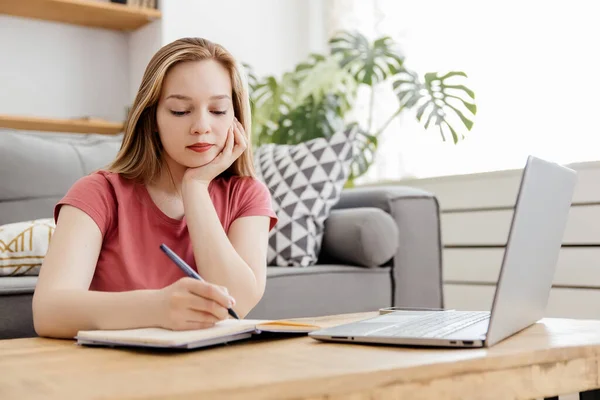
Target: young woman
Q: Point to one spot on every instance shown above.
(183, 177)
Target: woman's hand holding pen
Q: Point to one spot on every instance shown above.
(192, 304)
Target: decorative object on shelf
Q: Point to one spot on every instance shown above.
(317, 98)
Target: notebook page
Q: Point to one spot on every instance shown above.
(165, 337)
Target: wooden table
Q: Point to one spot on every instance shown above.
(553, 357)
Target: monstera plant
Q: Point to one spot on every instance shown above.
(317, 97)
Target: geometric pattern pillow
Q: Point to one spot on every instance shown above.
(23, 246)
(305, 181)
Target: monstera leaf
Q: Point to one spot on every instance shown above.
(369, 63)
(438, 100)
(364, 152)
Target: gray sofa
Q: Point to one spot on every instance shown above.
(381, 246)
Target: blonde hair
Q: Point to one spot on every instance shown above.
(140, 155)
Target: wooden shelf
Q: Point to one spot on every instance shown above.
(82, 12)
(60, 125)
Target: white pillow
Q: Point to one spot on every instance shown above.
(23, 246)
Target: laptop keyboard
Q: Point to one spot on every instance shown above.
(437, 324)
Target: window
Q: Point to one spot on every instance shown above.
(534, 66)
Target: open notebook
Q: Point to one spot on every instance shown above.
(223, 332)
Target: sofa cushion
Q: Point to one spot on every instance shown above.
(305, 181)
(38, 168)
(23, 246)
(365, 237)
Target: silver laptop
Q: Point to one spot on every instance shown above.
(526, 276)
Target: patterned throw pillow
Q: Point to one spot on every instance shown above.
(305, 181)
(23, 246)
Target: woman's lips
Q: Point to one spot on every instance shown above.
(200, 148)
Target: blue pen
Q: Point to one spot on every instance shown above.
(188, 270)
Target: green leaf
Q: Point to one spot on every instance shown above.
(421, 110)
(365, 149)
(467, 122)
(429, 118)
(369, 63)
(270, 98)
(434, 98)
(448, 75)
(454, 135)
(308, 120)
(310, 101)
(326, 77)
(470, 106)
(463, 88)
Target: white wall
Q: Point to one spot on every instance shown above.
(143, 43)
(50, 69)
(270, 35)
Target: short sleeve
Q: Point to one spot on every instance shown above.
(94, 195)
(254, 199)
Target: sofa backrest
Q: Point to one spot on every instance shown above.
(38, 168)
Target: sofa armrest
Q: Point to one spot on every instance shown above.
(417, 265)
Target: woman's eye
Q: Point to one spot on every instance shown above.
(220, 112)
(178, 113)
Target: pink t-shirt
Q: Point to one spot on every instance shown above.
(133, 227)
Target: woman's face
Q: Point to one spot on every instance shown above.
(194, 112)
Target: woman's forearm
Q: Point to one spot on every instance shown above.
(61, 313)
(217, 260)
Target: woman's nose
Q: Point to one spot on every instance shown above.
(200, 125)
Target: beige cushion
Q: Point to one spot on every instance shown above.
(23, 246)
